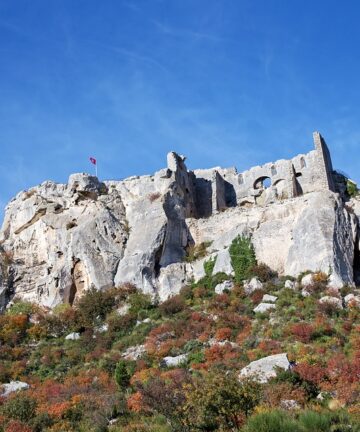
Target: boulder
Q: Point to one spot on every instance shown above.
(13, 386)
(174, 361)
(103, 328)
(331, 300)
(226, 285)
(289, 284)
(264, 369)
(223, 263)
(252, 285)
(352, 300)
(267, 298)
(307, 280)
(134, 352)
(73, 336)
(264, 307)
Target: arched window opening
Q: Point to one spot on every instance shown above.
(262, 183)
(273, 170)
(302, 162)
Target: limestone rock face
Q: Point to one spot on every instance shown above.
(59, 240)
(63, 239)
(313, 232)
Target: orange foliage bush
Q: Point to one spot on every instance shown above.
(313, 373)
(135, 402)
(302, 332)
(223, 333)
(17, 426)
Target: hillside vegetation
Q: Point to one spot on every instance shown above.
(132, 365)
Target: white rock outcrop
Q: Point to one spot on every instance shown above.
(134, 352)
(334, 301)
(12, 386)
(265, 368)
(72, 336)
(226, 285)
(252, 285)
(264, 307)
(174, 361)
(289, 284)
(269, 298)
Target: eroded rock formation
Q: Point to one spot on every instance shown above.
(59, 240)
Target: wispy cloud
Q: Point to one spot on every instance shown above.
(186, 33)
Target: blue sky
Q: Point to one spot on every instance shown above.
(225, 82)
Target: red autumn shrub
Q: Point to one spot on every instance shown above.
(302, 332)
(223, 333)
(17, 426)
(313, 373)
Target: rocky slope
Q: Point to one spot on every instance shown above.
(58, 240)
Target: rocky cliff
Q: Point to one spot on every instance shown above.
(58, 240)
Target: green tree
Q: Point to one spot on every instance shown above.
(122, 375)
(243, 257)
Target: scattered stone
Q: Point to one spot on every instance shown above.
(13, 386)
(307, 280)
(103, 328)
(144, 321)
(123, 310)
(174, 361)
(226, 285)
(289, 404)
(264, 369)
(331, 300)
(252, 285)
(352, 300)
(269, 298)
(264, 307)
(305, 293)
(73, 336)
(134, 352)
(289, 284)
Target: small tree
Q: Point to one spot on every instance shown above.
(122, 375)
(243, 257)
(218, 401)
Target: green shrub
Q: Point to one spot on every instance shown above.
(172, 306)
(274, 421)
(243, 257)
(93, 306)
(209, 266)
(20, 308)
(195, 252)
(311, 421)
(352, 188)
(123, 372)
(139, 304)
(20, 407)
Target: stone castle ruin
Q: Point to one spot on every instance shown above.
(58, 240)
(217, 189)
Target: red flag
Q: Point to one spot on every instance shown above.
(93, 160)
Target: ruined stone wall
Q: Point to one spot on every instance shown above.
(303, 174)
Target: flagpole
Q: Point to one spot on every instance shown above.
(96, 169)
